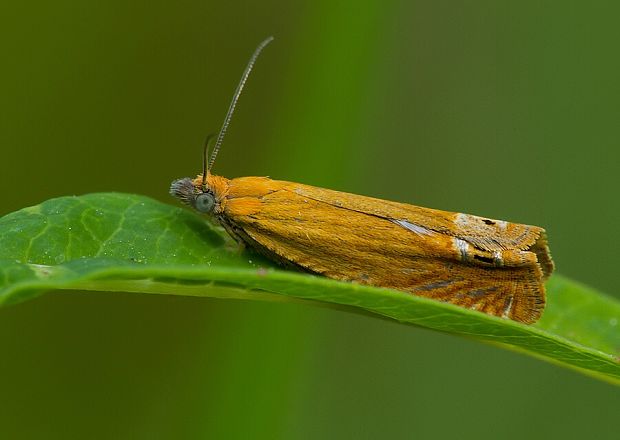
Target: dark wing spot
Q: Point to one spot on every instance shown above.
(484, 259)
(488, 222)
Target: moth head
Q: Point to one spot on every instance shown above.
(195, 194)
(206, 193)
(198, 193)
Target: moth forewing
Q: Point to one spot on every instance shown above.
(482, 264)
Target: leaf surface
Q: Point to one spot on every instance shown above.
(123, 242)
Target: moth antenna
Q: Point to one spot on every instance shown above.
(205, 154)
(233, 103)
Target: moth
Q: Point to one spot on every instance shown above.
(492, 266)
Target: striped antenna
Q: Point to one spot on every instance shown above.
(233, 103)
(205, 153)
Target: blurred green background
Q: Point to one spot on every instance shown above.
(502, 109)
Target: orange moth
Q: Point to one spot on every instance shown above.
(492, 266)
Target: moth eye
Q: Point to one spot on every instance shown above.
(204, 203)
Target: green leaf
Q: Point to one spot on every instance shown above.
(121, 242)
